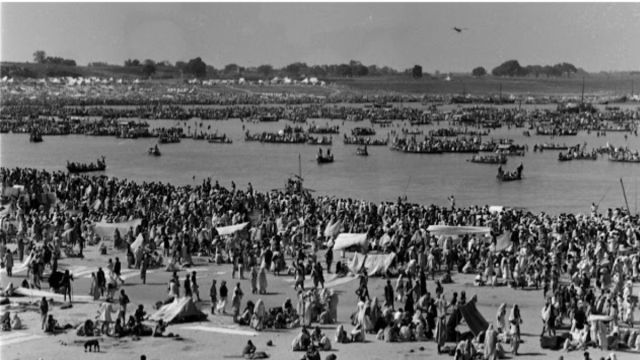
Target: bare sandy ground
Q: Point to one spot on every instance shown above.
(32, 343)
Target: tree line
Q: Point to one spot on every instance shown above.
(41, 57)
(513, 68)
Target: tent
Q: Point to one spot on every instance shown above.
(180, 310)
(375, 264)
(503, 242)
(232, 229)
(333, 229)
(457, 230)
(105, 230)
(136, 244)
(471, 316)
(347, 240)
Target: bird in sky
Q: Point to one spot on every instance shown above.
(459, 29)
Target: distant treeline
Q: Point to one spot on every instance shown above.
(513, 68)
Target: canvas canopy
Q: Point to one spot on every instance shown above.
(136, 244)
(503, 242)
(232, 229)
(471, 316)
(180, 310)
(375, 264)
(105, 230)
(457, 230)
(333, 229)
(347, 240)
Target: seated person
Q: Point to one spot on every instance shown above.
(478, 281)
(51, 326)
(302, 341)
(118, 329)
(248, 350)
(6, 321)
(357, 334)
(140, 313)
(324, 343)
(312, 354)
(160, 328)
(316, 335)
(406, 333)
(341, 335)
(16, 322)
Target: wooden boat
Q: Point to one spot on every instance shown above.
(321, 140)
(550, 146)
(219, 139)
(35, 136)
(624, 159)
(154, 151)
(362, 151)
(363, 131)
(99, 165)
(489, 159)
(324, 159)
(510, 176)
(168, 139)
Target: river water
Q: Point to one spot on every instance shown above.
(548, 185)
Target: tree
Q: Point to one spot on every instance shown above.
(39, 56)
(196, 67)
(344, 70)
(129, 62)
(149, 68)
(416, 72)
(231, 69)
(265, 70)
(479, 71)
(509, 68)
(357, 69)
(296, 69)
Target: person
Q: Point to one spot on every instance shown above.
(102, 281)
(187, 286)
(195, 289)
(8, 262)
(248, 350)
(123, 301)
(515, 320)
(224, 292)
(117, 268)
(94, 291)
(329, 259)
(254, 280)
(490, 343)
(388, 294)
(44, 311)
(213, 293)
(236, 300)
(143, 268)
(16, 322)
(66, 284)
(548, 318)
(262, 280)
(159, 329)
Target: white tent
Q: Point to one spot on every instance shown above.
(375, 264)
(105, 230)
(136, 244)
(457, 230)
(347, 240)
(232, 229)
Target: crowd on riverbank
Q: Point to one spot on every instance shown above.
(585, 264)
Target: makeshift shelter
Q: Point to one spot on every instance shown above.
(239, 229)
(333, 229)
(180, 310)
(471, 316)
(105, 230)
(503, 242)
(136, 244)
(347, 240)
(375, 264)
(447, 230)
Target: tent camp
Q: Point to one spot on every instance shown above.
(471, 316)
(375, 264)
(447, 230)
(180, 310)
(347, 240)
(105, 230)
(232, 229)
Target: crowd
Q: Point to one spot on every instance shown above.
(585, 264)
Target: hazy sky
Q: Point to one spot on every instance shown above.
(593, 36)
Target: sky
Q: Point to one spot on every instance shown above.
(593, 36)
